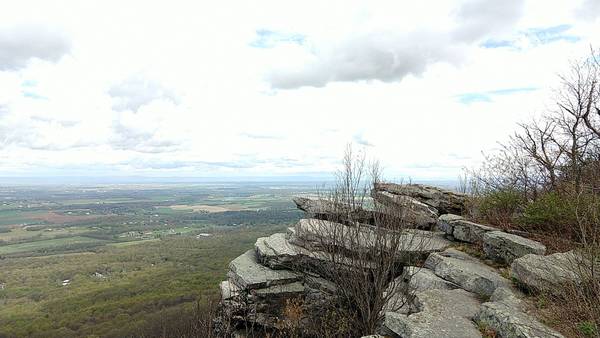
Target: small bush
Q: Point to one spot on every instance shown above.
(549, 213)
(588, 329)
(486, 330)
(500, 207)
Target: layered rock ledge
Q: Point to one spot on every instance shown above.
(453, 293)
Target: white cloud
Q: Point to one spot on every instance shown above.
(390, 55)
(19, 44)
(589, 10)
(186, 88)
(137, 91)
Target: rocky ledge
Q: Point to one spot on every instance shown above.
(455, 294)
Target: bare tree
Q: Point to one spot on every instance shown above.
(363, 259)
(537, 141)
(589, 70)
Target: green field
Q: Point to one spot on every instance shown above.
(48, 244)
(141, 285)
(136, 265)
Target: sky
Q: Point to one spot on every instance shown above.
(275, 88)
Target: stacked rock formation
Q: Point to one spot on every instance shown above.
(455, 294)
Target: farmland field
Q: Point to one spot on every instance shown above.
(123, 260)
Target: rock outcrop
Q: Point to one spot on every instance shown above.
(504, 314)
(539, 272)
(411, 211)
(505, 248)
(444, 223)
(444, 201)
(415, 243)
(438, 313)
(447, 295)
(466, 271)
(469, 232)
(333, 211)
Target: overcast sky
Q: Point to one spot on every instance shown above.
(260, 88)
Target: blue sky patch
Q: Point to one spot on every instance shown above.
(537, 36)
(497, 43)
(29, 83)
(268, 39)
(33, 95)
(509, 91)
(468, 98)
(551, 34)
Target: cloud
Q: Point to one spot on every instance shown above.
(261, 136)
(482, 17)
(384, 56)
(129, 136)
(181, 164)
(388, 56)
(36, 133)
(137, 91)
(360, 139)
(589, 10)
(21, 43)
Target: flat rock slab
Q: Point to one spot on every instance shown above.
(505, 248)
(506, 317)
(281, 251)
(276, 251)
(465, 271)
(421, 279)
(284, 290)
(407, 209)
(247, 273)
(316, 205)
(469, 232)
(411, 243)
(442, 313)
(324, 208)
(445, 201)
(417, 279)
(539, 272)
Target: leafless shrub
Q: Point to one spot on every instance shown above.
(363, 259)
(553, 165)
(559, 152)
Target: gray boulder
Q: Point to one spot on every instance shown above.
(505, 248)
(229, 290)
(421, 279)
(465, 271)
(505, 316)
(407, 209)
(439, 313)
(276, 252)
(247, 273)
(445, 201)
(539, 272)
(469, 232)
(413, 280)
(444, 223)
